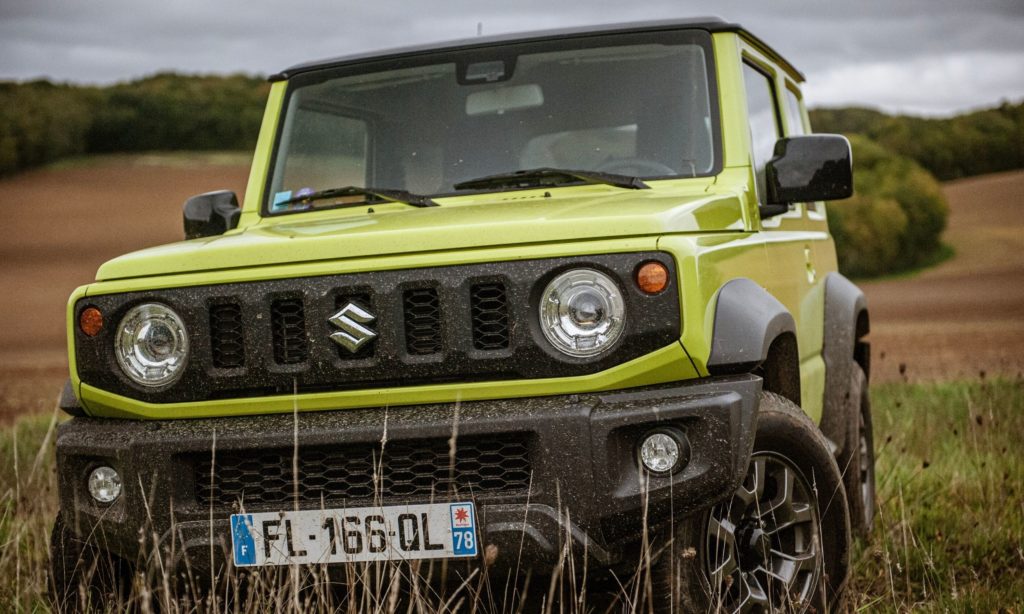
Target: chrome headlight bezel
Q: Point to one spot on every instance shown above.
(582, 313)
(141, 333)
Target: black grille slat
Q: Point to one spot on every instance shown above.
(422, 321)
(489, 309)
(410, 470)
(288, 324)
(227, 337)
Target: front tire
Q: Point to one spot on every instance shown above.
(781, 542)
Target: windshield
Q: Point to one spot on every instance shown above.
(637, 105)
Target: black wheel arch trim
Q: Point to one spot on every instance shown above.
(846, 323)
(747, 320)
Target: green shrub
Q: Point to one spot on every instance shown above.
(975, 143)
(41, 122)
(894, 220)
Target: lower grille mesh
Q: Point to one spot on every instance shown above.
(360, 472)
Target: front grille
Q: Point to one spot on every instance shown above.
(406, 470)
(227, 344)
(288, 323)
(490, 316)
(422, 321)
(453, 324)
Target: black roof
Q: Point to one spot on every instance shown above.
(710, 24)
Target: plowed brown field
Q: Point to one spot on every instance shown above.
(58, 224)
(965, 317)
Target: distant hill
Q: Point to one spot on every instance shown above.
(975, 143)
(41, 121)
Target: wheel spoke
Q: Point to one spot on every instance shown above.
(782, 504)
(751, 594)
(786, 566)
(755, 475)
(722, 548)
(798, 513)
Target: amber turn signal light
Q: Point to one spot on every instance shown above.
(91, 321)
(652, 277)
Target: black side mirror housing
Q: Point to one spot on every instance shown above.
(808, 168)
(211, 214)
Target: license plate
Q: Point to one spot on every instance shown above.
(397, 532)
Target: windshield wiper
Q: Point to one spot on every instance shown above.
(385, 194)
(541, 177)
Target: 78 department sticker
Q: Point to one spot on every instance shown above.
(464, 541)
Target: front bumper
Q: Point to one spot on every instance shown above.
(584, 487)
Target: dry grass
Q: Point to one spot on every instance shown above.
(949, 533)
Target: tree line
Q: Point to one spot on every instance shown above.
(41, 122)
(974, 143)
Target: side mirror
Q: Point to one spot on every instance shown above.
(808, 168)
(211, 214)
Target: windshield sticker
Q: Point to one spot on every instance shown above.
(279, 198)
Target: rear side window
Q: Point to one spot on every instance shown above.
(762, 112)
(794, 118)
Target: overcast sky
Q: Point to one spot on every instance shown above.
(918, 56)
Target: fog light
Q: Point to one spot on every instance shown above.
(660, 452)
(104, 484)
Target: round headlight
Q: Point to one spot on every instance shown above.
(104, 484)
(152, 345)
(582, 312)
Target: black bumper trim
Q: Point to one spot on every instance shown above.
(586, 485)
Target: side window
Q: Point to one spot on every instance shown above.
(795, 125)
(794, 118)
(762, 111)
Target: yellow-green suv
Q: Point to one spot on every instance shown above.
(506, 302)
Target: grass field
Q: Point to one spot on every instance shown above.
(949, 534)
(948, 354)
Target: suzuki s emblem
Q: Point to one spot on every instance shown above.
(350, 320)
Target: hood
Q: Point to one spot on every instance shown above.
(474, 221)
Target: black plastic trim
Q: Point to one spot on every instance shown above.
(68, 402)
(582, 453)
(844, 305)
(747, 320)
(709, 24)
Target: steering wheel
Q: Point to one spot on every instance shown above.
(636, 166)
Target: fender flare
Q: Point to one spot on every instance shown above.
(747, 320)
(846, 321)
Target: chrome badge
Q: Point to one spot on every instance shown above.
(353, 333)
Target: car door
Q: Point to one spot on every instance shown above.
(789, 237)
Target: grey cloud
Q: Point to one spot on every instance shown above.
(839, 44)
